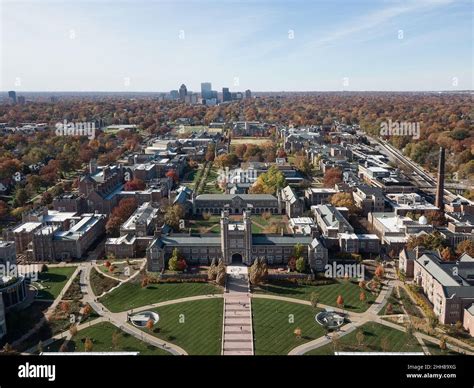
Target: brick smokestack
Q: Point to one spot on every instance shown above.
(440, 184)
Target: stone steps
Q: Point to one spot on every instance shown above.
(238, 336)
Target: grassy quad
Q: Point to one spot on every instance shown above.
(101, 336)
(131, 295)
(274, 330)
(194, 326)
(328, 293)
(53, 281)
(397, 341)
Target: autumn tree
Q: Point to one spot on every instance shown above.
(340, 301)
(134, 185)
(332, 176)
(269, 182)
(173, 215)
(447, 254)
(88, 345)
(149, 324)
(314, 299)
(343, 200)
(466, 246)
(300, 264)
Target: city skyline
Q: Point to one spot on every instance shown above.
(323, 46)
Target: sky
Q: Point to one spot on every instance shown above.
(308, 45)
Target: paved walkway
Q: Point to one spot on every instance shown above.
(121, 319)
(371, 315)
(237, 336)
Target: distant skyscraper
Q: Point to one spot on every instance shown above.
(248, 93)
(183, 91)
(206, 89)
(21, 100)
(226, 95)
(440, 184)
(174, 94)
(12, 95)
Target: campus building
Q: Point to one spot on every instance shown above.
(235, 244)
(237, 203)
(52, 243)
(449, 286)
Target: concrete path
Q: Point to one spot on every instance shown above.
(121, 319)
(237, 336)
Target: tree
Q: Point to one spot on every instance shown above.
(340, 301)
(87, 310)
(150, 324)
(436, 217)
(212, 270)
(362, 296)
(343, 200)
(297, 332)
(73, 330)
(389, 309)
(258, 272)
(174, 261)
(332, 176)
(20, 197)
(172, 174)
(221, 274)
(269, 182)
(64, 306)
(443, 344)
(302, 164)
(173, 215)
(134, 185)
(314, 299)
(466, 246)
(447, 254)
(88, 345)
(379, 271)
(300, 264)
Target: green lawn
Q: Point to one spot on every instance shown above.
(212, 223)
(101, 336)
(129, 296)
(328, 293)
(274, 323)
(397, 341)
(53, 281)
(195, 326)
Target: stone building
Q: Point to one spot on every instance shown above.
(448, 285)
(236, 244)
(51, 243)
(237, 203)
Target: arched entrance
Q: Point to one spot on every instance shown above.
(237, 258)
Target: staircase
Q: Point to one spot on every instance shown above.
(237, 338)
